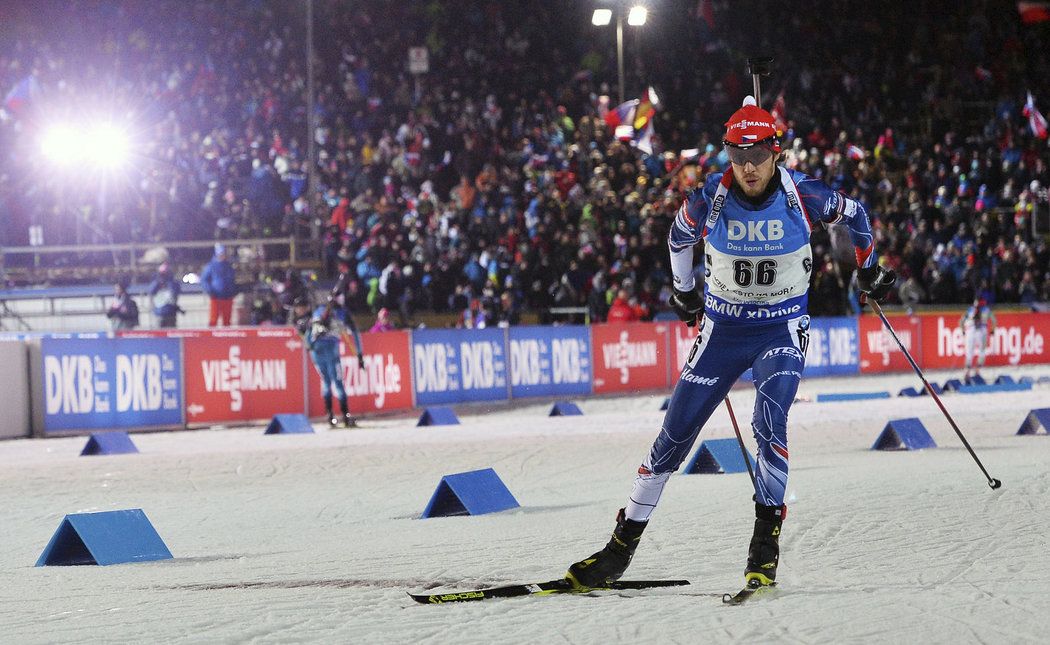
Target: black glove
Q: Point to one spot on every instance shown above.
(688, 305)
(361, 361)
(876, 282)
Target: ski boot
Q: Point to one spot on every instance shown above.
(764, 552)
(606, 566)
(348, 421)
(332, 420)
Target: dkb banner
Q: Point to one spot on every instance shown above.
(384, 384)
(832, 347)
(549, 361)
(631, 356)
(243, 374)
(449, 366)
(108, 383)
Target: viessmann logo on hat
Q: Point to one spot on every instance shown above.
(750, 124)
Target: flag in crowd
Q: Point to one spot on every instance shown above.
(21, 94)
(633, 120)
(1034, 12)
(1036, 120)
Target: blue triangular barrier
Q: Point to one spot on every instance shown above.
(109, 443)
(565, 409)
(666, 404)
(471, 493)
(289, 424)
(937, 389)
(952, 384)
(976, 379)
(904, 434)
(716, 456)
(1036, 419)
(1004, 379)
(110, 537)
(910, 391)
(1026, 379)
(438, 416)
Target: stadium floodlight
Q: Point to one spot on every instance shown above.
(61, 144)
(601, 17)
(637, 15)
(102, 146)
(107, 146)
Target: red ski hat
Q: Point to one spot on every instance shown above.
(750, 125)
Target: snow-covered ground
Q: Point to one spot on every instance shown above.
(316, 538)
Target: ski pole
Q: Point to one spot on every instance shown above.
(992, 482)
(740, 440)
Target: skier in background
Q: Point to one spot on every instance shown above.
(754, 222)
(977, 322)
(322, 331)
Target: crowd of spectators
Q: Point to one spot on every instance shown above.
(491, 186)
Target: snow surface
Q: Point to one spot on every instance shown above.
(316, 538)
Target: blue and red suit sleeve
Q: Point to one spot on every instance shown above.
(832, 207)
(691, 218)
(688, 230)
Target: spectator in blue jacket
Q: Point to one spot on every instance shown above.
(217, 280)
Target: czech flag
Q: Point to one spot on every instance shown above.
(622, 114)
(21, 94)
(1036, 120)
(633, 120)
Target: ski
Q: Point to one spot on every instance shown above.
(549, 588)
(752, 589)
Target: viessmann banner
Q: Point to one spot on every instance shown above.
(879, 352)
(630, 356)
(105, 383)
(243, 374)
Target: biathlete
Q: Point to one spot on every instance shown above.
(322, 331)
(754, 223)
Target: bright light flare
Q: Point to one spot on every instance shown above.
(601, 17)
(636, 17)
(103, 146)
(61, 144)
(108, 146)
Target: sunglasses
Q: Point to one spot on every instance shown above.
(756, 154)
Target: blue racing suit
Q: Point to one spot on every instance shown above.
(323, 333)
(757, 274)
